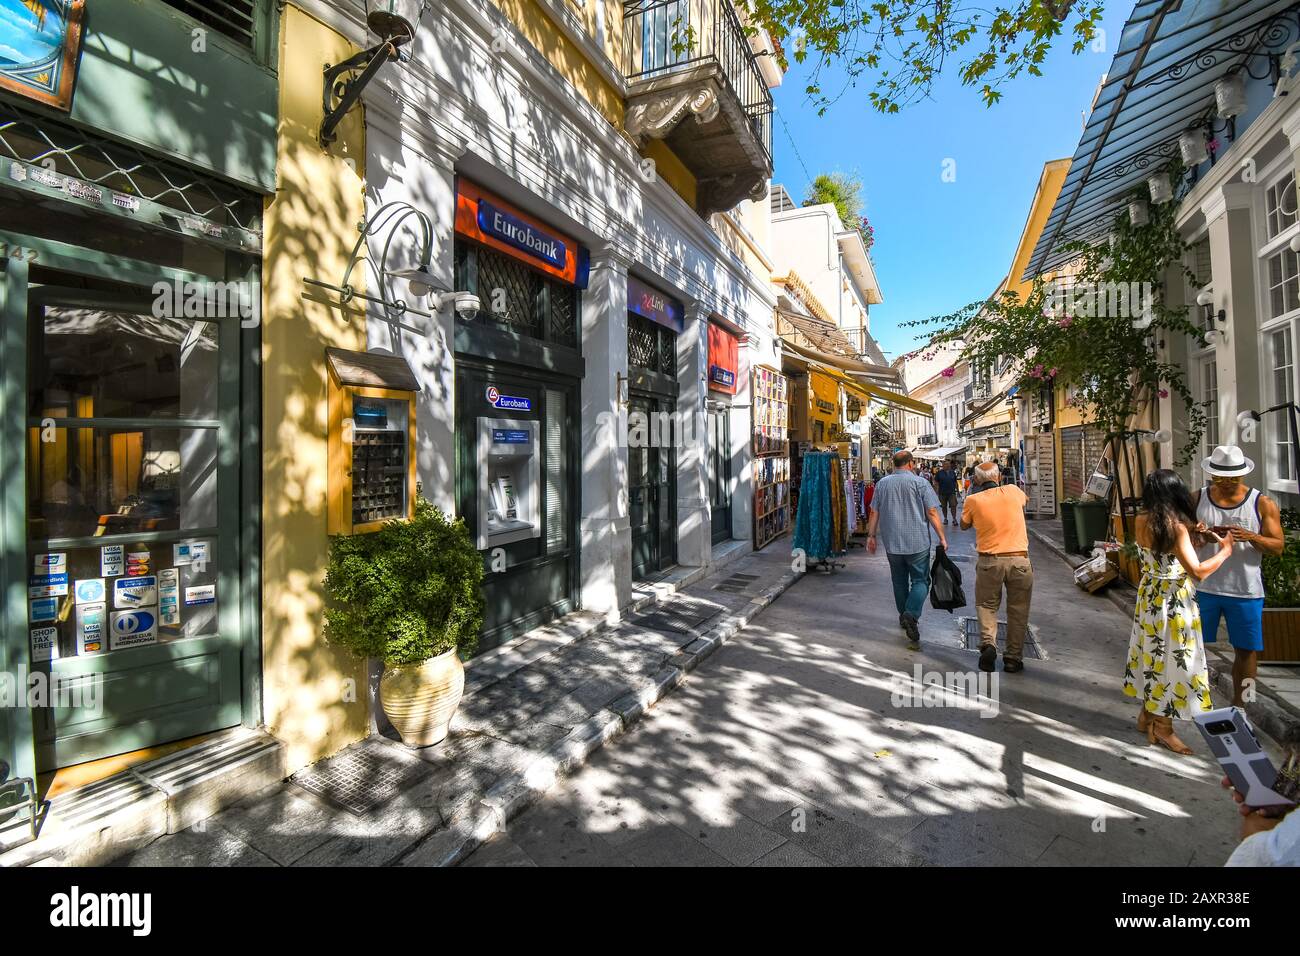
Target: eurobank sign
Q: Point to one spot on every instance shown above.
(488, 219)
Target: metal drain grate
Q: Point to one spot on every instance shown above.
(969, 638)
(361, 779)
(737, 583)
(682, 615)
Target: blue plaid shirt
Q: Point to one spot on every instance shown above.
(903, 500)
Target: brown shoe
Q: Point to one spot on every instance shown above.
(1144, 721)
(1161, 731)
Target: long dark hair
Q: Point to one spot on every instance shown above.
(1168, 504)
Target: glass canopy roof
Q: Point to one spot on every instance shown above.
(1160, 83)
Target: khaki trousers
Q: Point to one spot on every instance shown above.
(992, 575)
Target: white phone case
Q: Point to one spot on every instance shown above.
(1244, 761)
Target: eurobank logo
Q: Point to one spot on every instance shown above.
(511, 229)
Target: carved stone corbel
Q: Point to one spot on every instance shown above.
(657, 114)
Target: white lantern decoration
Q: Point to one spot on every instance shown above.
(1161, 190)
(1192, 145)
(1230, 95)
(1137, 212)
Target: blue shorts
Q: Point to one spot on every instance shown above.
(1245, 617)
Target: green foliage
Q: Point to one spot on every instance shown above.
(844, 192)
(408, 592)
(1115, 367)
(904, 45)
(1282, 575)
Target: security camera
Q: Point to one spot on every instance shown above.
(466, 304)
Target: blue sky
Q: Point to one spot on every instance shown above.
(940, 245)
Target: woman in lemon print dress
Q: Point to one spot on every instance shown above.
(1166, 656)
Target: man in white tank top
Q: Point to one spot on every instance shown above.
(1236, 591)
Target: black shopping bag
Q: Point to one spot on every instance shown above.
(946, 593)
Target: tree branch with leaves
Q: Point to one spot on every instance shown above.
(905, 45)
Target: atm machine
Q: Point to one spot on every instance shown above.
(509, 494)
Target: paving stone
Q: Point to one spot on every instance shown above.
(209, 846)
(284, 827)
(552, 837)
(789, 854)
(666, 845)
(837, 841)
(500, 851)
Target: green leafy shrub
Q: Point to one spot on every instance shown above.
(1282, 575)
(408, 592)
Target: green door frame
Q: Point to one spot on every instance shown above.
(239, 509)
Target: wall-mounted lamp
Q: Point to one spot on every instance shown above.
(1247, 420)
(1213, 323)
(622, 394)
(1191, 144)
(1160, 188)
(417, 276)
(1230, 95)
(1138, 213)
(395, 23)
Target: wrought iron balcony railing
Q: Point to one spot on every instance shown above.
(663, 37)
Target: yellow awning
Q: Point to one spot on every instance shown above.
(893, 398)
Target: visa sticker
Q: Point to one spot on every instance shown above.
(112, 560)
(90, 628)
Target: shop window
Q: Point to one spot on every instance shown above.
(243, 21)
(1282, 362)
(1210, 400)
(1283, 283)
(557, 472)
(651, 346)
(516, 298)
(1280, 205)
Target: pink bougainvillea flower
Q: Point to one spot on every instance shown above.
(1164, 393)
(1064, 322)
(949, 372)
(1052, 373)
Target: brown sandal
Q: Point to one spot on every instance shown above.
(1161, 731)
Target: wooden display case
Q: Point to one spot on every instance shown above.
(371, 441)
(771, 444)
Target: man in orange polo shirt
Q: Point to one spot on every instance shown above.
(998, 516)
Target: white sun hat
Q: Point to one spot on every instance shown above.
(1227, 462)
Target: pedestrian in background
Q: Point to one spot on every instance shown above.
(904, 510)
(1166, 668)
(945, 484)
(997, 514)
(1236, 591)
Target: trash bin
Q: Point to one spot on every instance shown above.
(1091, 523)
(1068, 529)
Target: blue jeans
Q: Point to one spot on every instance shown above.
(911, 575)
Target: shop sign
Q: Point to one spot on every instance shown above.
(90, 628)
(135, 592)
(41, 40)
(724, 359)
(201, 594)
(45, 644)
(133, 628)
(488, 219)
(112, 560)
(515, 403)
(521, 235)
(649, 303)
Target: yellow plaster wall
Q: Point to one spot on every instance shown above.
(314, 696)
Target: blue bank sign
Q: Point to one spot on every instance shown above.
(510, 229)
(516, 403)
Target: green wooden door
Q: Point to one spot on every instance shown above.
(132, 545)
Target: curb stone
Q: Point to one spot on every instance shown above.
(513, 794)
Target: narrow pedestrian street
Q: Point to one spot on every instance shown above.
(788, 747)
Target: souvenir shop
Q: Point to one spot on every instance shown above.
(724, 374)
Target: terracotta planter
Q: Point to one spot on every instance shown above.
(420, 699)
(1281, 634)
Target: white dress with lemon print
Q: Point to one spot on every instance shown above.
(1166, 657)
